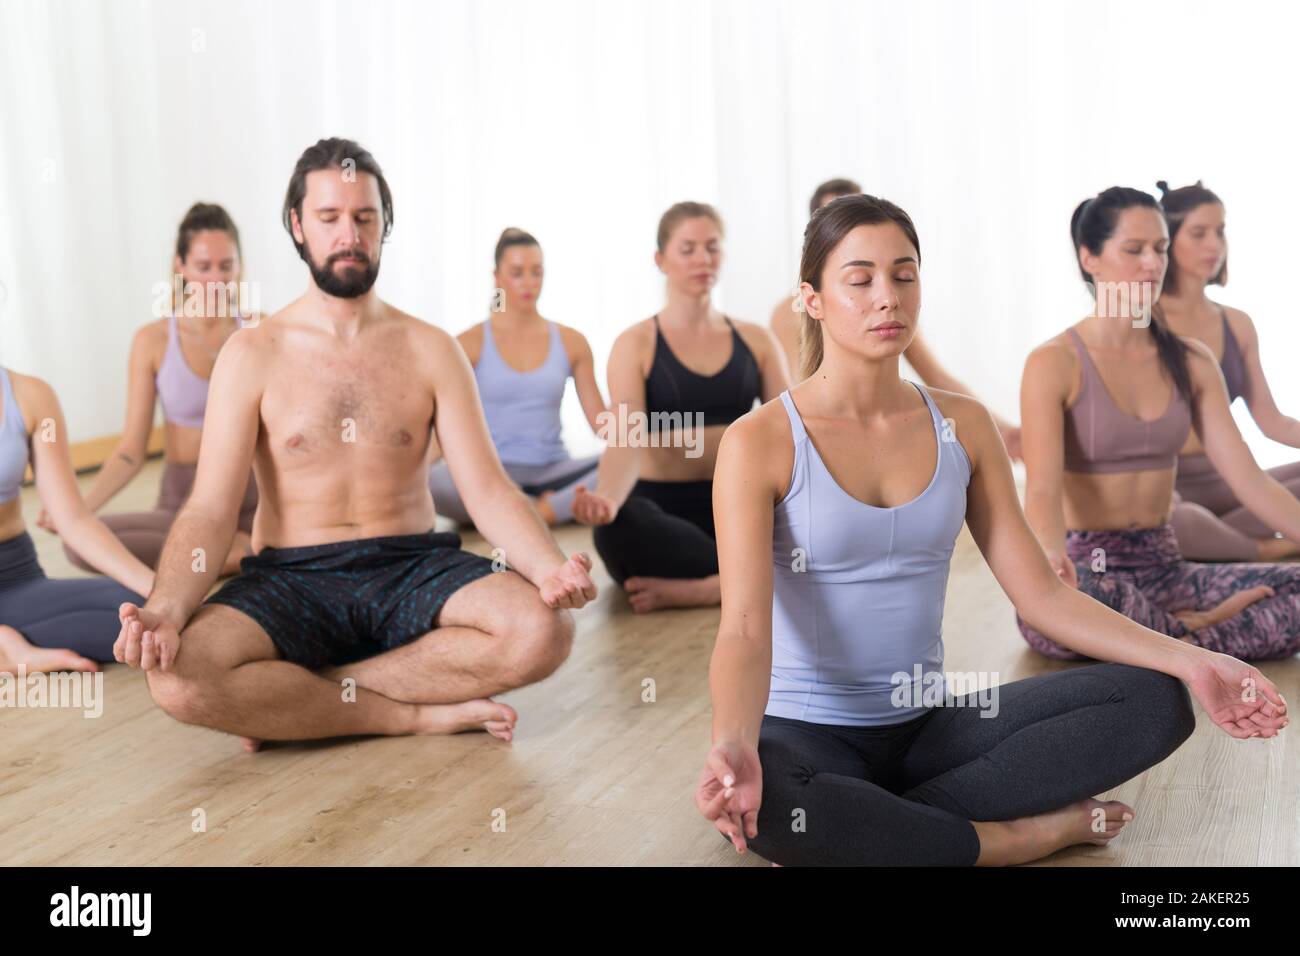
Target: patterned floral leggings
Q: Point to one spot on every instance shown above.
(1141, 574)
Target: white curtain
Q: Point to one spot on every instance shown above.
(581, 121)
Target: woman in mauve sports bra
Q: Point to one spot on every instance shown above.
(671, 398)
(522, 408)
(1209, 519)
(1105, 408)
(835, 740)
(171, 361)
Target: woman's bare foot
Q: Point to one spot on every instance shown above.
(1006, 843)
(16, 654)
(649, 594)
(496, 719)
(1278, 549)
(544, 507)
(1235, 604)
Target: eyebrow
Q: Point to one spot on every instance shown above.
(868, 262)
(320, 209)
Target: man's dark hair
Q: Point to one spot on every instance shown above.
(333, 153)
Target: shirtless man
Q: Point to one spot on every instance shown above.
(332, 400)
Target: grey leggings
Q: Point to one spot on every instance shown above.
(906, 794)
(76, 613)
(560, 477)
(1211, 524)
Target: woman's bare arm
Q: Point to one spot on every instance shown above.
(1044, 601)
(1260, 492)
(1044, 389)
(141, 396)
(56, 483)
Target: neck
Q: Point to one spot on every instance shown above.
(859, 386)
(1116, 332)
(342, 317)
(511, 317)
(686, 309)
(1189, 290)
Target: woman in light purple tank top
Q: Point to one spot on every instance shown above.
(1107, 407)
(1210, 521)
(51, 624)
(835, 738)
(171, 361)
(522, 407)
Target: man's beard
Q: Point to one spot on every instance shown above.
(353, 282)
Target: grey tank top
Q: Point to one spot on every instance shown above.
(858, 591)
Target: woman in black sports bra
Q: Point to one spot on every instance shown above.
(672, 394)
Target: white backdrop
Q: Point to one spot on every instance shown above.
(581, 121)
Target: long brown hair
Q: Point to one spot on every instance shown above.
(1094, 222)
(826, 229)
(1176, 204)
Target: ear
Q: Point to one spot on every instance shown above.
(1090, 263)
(659, 260)
(295, 225)
(177, 264)
(812, 300)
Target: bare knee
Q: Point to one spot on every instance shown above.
(186, 692)
(173, 695)
(539, 644)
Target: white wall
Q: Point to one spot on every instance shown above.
(581, 121)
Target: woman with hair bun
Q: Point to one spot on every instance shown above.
(522, 363)
(171, 362)
(686, 374)
(1209, 519)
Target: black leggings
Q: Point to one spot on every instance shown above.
(663, 530)
(906, 794)
(76, 613)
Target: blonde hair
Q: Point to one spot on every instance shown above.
(680, 212)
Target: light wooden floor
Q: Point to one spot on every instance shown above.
(594, 775)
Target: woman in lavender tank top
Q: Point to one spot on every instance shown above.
(843, 500)
(171, 361)
(522, 406)
(1209, 519)
(1101, 458)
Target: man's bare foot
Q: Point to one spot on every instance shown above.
(649, 594)
(496, 719)
(16, 654)
(484, 714)
(1235, 604)
(544, 507)
(1006, 843)
(1278, 549)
